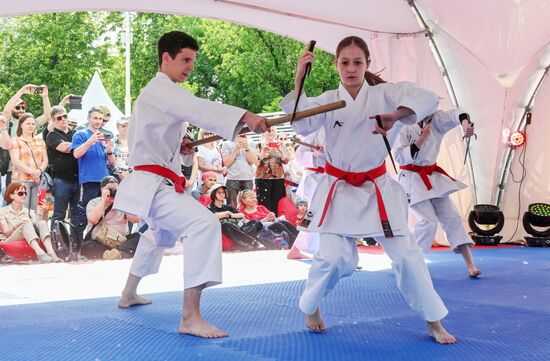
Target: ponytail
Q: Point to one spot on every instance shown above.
(373, 79)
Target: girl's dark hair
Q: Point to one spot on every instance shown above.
(10, 189)
(22, 119)
(372, 79)
(213, 194)
(173, 42)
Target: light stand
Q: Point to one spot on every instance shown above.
(486, 215)
(538, 215)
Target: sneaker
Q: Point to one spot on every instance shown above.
(45, 258)
(112, 254)
(4, 258)
(55, 258)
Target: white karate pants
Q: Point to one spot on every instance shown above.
(337, 257)
(442, 210)
(177, 215)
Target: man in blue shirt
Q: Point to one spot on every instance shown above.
(93, 151)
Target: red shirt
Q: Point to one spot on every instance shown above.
(261, 213)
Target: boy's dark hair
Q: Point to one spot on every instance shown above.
(173, 42)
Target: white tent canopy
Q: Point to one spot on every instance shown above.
(95, 96)
(495, 53)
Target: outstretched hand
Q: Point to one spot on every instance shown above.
(387, 120)
(255, 123)
(468, 129)
(186, 148)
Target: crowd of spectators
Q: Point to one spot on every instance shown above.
(250, 186)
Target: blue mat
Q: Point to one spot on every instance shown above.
(502, 316)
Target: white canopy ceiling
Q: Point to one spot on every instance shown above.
(495, 52)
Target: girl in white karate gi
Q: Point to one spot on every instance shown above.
(313, 162)
(427, 186)
(155, 192)
(367, 202)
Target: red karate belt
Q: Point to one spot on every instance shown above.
(179, 181)
(425, 171)
(357, 179)
(318, 169)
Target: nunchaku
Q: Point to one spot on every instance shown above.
(279, 120)
(308, 145)
(302, 81)
(461, 117)
(386, 142)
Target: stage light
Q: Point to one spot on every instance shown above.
(506, 135)
(517, 139)
(485, 222)
(537, 215)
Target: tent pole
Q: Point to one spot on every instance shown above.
(128, 36)
(509, 153)
(447, 80)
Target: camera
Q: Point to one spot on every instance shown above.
(112, 192)
(38, 89)
(75, 101)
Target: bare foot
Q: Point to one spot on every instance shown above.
(200, 328)
(295, 253)
(315, 322)
(439, 333)
(132, 300)
(474, 271)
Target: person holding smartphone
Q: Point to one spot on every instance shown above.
(94, 153)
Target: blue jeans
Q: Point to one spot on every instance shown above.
(66, 195)
(88, 191)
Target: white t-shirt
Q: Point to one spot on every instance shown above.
(211, 158)
(240, 169)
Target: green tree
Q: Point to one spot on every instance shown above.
(60, 50)
(237, 65)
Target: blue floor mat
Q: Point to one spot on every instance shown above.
(504, 315)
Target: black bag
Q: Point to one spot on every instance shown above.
(5, 155)
(4, 161)
(128, 248)
(66, 247)
(252, 228)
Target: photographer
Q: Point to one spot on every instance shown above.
(108, 234)
(93, 150)
(14, 109)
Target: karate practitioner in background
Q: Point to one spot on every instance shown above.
(427, 186)
(364, 192)
(313, 160)
(154, 190)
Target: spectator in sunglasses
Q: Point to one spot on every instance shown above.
(19, 223)
(16, 107)
(64, 167)
(29, 157)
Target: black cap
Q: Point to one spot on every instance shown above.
(107, 180)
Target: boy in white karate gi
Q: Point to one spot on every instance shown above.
(154, 190)
(367, 202)
(313, 160)
(428, 186)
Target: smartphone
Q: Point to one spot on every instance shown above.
(38, 89)
(75, 101)
(41, 197)
(107, 136)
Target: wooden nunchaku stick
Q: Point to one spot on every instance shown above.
(280, 120)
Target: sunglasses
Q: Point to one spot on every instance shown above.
(22, 193)
(61, 117)
(18, 107)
